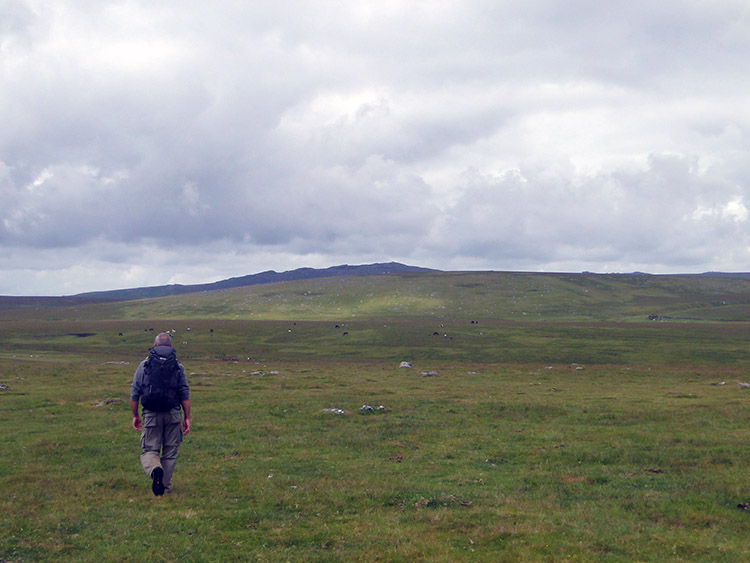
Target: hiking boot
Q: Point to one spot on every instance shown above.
(158, 484)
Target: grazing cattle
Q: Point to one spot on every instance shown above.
(345, 334)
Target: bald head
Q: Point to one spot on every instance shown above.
(163, 339)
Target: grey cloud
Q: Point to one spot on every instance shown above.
(667, 213)
(463, 133)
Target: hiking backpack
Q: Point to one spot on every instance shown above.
(160, 380)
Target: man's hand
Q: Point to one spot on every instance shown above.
(137, 424)
(186, 420)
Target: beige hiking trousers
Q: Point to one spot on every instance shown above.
(160, 438)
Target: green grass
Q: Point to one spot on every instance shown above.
(591, 438)
(394, 339)
(440, 296)
(487, 460)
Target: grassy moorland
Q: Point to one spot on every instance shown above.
(440, 295)
(569, 433)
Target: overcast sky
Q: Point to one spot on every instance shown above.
(146, 143)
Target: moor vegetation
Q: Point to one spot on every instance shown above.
(563, 417)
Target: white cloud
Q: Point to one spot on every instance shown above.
(733, 210)
(533, 135)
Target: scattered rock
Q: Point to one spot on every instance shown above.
(743, 385)
(720, 383)
(405, 365)
(107, 402)
(429, 374)
(335, 411)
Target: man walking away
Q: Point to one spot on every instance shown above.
(160, 385)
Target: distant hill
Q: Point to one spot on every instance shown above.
(356, 292)
(368, 290)
(743, 275)
(267, 277)
(270, 276)
(466, 296)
